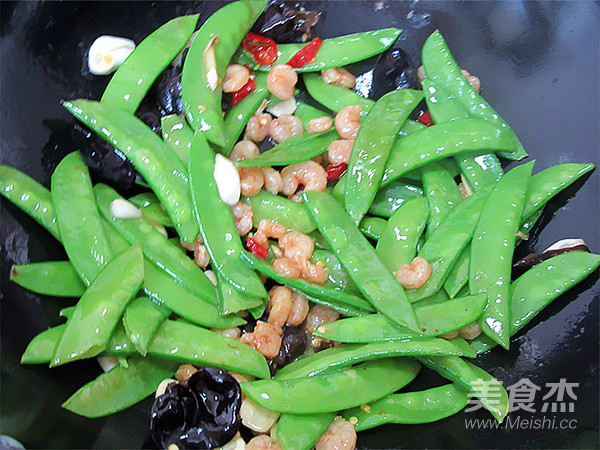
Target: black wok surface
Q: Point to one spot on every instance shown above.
(538, 62)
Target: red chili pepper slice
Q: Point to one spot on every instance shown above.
(306, 54)
(262, 49)
(240, 95)
(256, 248)
(335, 171)
(425, 119)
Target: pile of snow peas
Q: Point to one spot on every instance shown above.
(144, 304)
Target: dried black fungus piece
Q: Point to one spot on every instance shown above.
(533, 259)
(394, 70)
(152, 119)
(293, 344)
(286, 25)
(167, 90)
(203, 412)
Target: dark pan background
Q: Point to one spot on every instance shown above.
(538, 62)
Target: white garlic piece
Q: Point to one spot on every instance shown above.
(107, 53)
(123, 209)
(285, 107)
(211, 276)
(228, 180)
(565, 243)
(107, 362)
(162, 387)
(256, 417)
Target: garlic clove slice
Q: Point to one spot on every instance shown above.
(228, 180)
(124, 209)
(285, 107)
(107, 53)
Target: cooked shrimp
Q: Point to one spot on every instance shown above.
(233, 332)
(472, 79)
(296, 245)
(346, 121)
(242, 216)
(319, 315)
(263, 442)
(281, 81)
(299, 309)
(319, 124)
(243, 149)
(315, 273)
(251, 180)
(339, 435)
(190, 246)
(266, 230)
(201, 256)
(280, 305)
(421, 75)
(258, 127)
(308, 173)
(340, 76)
(415, 274)
(286, 267)
(184, 372)
(273, 181)
(236, 76)
(339, 151)
(266, 339)
(284, 127)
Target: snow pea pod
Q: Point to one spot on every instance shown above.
(458, 276)
(239, 114)
(99, 310)
(539, 286)
(41, 348)
(443, 70)
(54, 278)
(492, 250)
(334, 97)
(393, 196)
(206, 62)
(343, 308)
(157, 247)
(334, 52)
(216, 223)
(425, 406)
(444, 245)
(130, 83)
(443, 140)
(472, 379)
(345, 355)
(329, 392)
(359, 259)
(372, 148)
(436, 319)
(275, 208)
(159, 166)
(232, 300)
(293, 150)
(78, 219)
(178, 135)
(372, 227)
(306, 113)
(296, 432)
(151, 208)
(441, 191)
(397, 244)
(141, 319)
(30, 196)
(335, 295)
(336, 276)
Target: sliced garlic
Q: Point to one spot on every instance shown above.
(162, 230)
(285, 107)
(210, 64)
(211, 276)
(237, 443)
(565, 243)
(228, 180)
(107, 53)
(107, 362)
(256, 417)
(162, 387)
(123, 209)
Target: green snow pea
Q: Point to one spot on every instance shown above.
(159, 166)
(441, 191)
(436, 319)
(410, 127)
(334, 97)
(372, 148)
(345, 355)
(301, 147)
(54, 278)
(397, 244)
(539, 286)
(372, 227)
(131, 81)
(359, 259)
(410, 407)
(443, 140)
(151, 208)
(41, 348)
(393, 196)
(337, 275)
(343, 308)
(473, 379)
(334, 52)
(237, 117)
(99, 310)
(438, 297)
(443, 70)
(157, 247)
(178, 135)
(444, 245)
(78, 219)
(333, 294)
(206, 62)
(232, 300)
(296, 432)
(306, 113)
(492, 250)
(258, 311)
(120, 387)
(67, 312)
(330, 392)
(141, 319)
(458, 276)
(30, 196)
(216, 223)
(275, 208)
